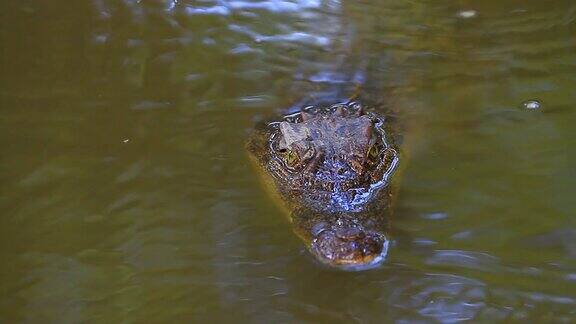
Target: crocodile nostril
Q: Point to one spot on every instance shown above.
(350, 233)
(318, 228)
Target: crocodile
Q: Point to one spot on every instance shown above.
(331, 167)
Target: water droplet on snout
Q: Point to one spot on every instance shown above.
(532, 105)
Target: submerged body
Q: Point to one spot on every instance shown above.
(331, 167)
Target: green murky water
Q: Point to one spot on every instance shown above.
(126, 195)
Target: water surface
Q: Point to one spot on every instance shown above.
(126, 194)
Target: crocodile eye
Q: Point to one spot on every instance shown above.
(374, 152)
(291, 158)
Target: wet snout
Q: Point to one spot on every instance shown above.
(350, 246)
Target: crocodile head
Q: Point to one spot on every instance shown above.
(333, 155)
(327, 164)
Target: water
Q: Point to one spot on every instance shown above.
(126, 194)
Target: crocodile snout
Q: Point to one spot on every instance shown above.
(351, 247)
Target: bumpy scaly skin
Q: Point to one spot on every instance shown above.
(331, 167)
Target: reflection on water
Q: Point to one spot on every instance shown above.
(126, 194)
